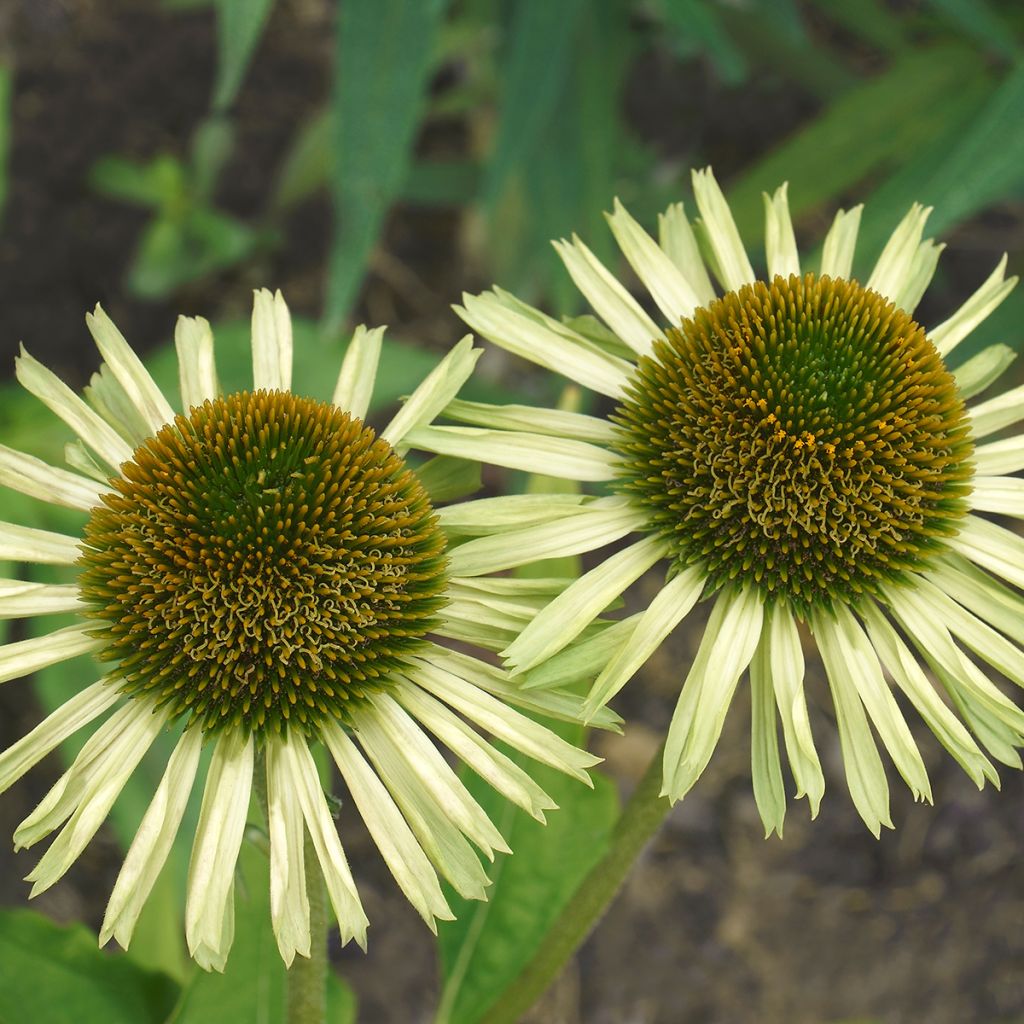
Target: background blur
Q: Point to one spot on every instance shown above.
(373, 159)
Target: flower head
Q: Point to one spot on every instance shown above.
(262, 573)
(794, 449)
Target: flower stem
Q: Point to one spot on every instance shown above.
(639, 821)
(307, 978)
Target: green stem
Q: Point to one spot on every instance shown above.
(639, 821)
(307, 978)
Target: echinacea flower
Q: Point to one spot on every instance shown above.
(263, 573)
(795, 450)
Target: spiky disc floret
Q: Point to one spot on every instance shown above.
(803, 435)
(265, 560)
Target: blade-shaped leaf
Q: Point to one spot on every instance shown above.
(240, 24)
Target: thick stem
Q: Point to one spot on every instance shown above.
(307, 978)
(640, 819)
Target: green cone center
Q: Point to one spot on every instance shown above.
(266, 560)
(803, 435)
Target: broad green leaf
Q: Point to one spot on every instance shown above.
(253, 987)
(383, 55)
(240, 24)
(159, 183)
(57, 975)
(869, 129)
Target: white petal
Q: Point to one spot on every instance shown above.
(535, 420)
(153, 840)
(398, 846)
(271, 342)
(209, 920)
(910, 678)
(676, 238)
(977, 308)
(21, 600)
(323, 832)
(127, 368)
(25, 656)
(584, 660)
(981, 593)
(865, 774)
(786, 665)
(723, 237)
(998, 412)
(439, 387)
(576, 607)
(79, 459)
(668, 286)
(111, 401)
(998, 458)
(779, 240)
(841, 243)
(922, 270)
(359, 372)
(983, 369)
(101, 780)
(525, 337)
(197, 371)
(1004, 494)
(502, 721)
(602, 523)
(726, 648)
(992, 547)
(662, 615)
(29, 475)
(289, 902)
(27, 544)
(894, 266)
(491, 515)
(765, 763)
(60, 399)
(74, 713)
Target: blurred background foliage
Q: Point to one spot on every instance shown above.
(374, 157)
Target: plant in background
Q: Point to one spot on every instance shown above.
(794, 450)
(264, 575)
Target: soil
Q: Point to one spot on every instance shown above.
(715, 925)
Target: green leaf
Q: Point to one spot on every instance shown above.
(697, 29)
(384, 51)
(306, 167)
(253, 987)
(979, 19)
(160, 183)
(871, 128)
(240, 24)
(484, 949)
(57, 975)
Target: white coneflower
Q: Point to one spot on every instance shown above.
(795, 450)
(264, 572)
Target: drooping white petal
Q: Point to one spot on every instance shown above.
(1001, 411)
(129, 372)
(669, 288)
(865, 774)
(580, 603)
(29, 475)
(980, 593)
(841, 243)
(398, 846)
(998, 458)
(894, 266)
(977, 308)
(525, 337)
(271, 342)
(662, 615)
(111, 401)
(28, 544)
(922, 270)
(502, 773)
(677, 240)
(61, 400)
(910, 678)
(491, 515)
(100, 781)
(438, 388)
(534, 420)
(726, 649)
(25, 656)
(209, 906)
(765, 763)
(21, 600)
(359, 371)
(516, 729)
(1002, 494)
(197, 370)
(153, 840)
(289, 902)
(786, 667)
(990, 546)
(65, 721)
(722, 234)
(779, 240)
